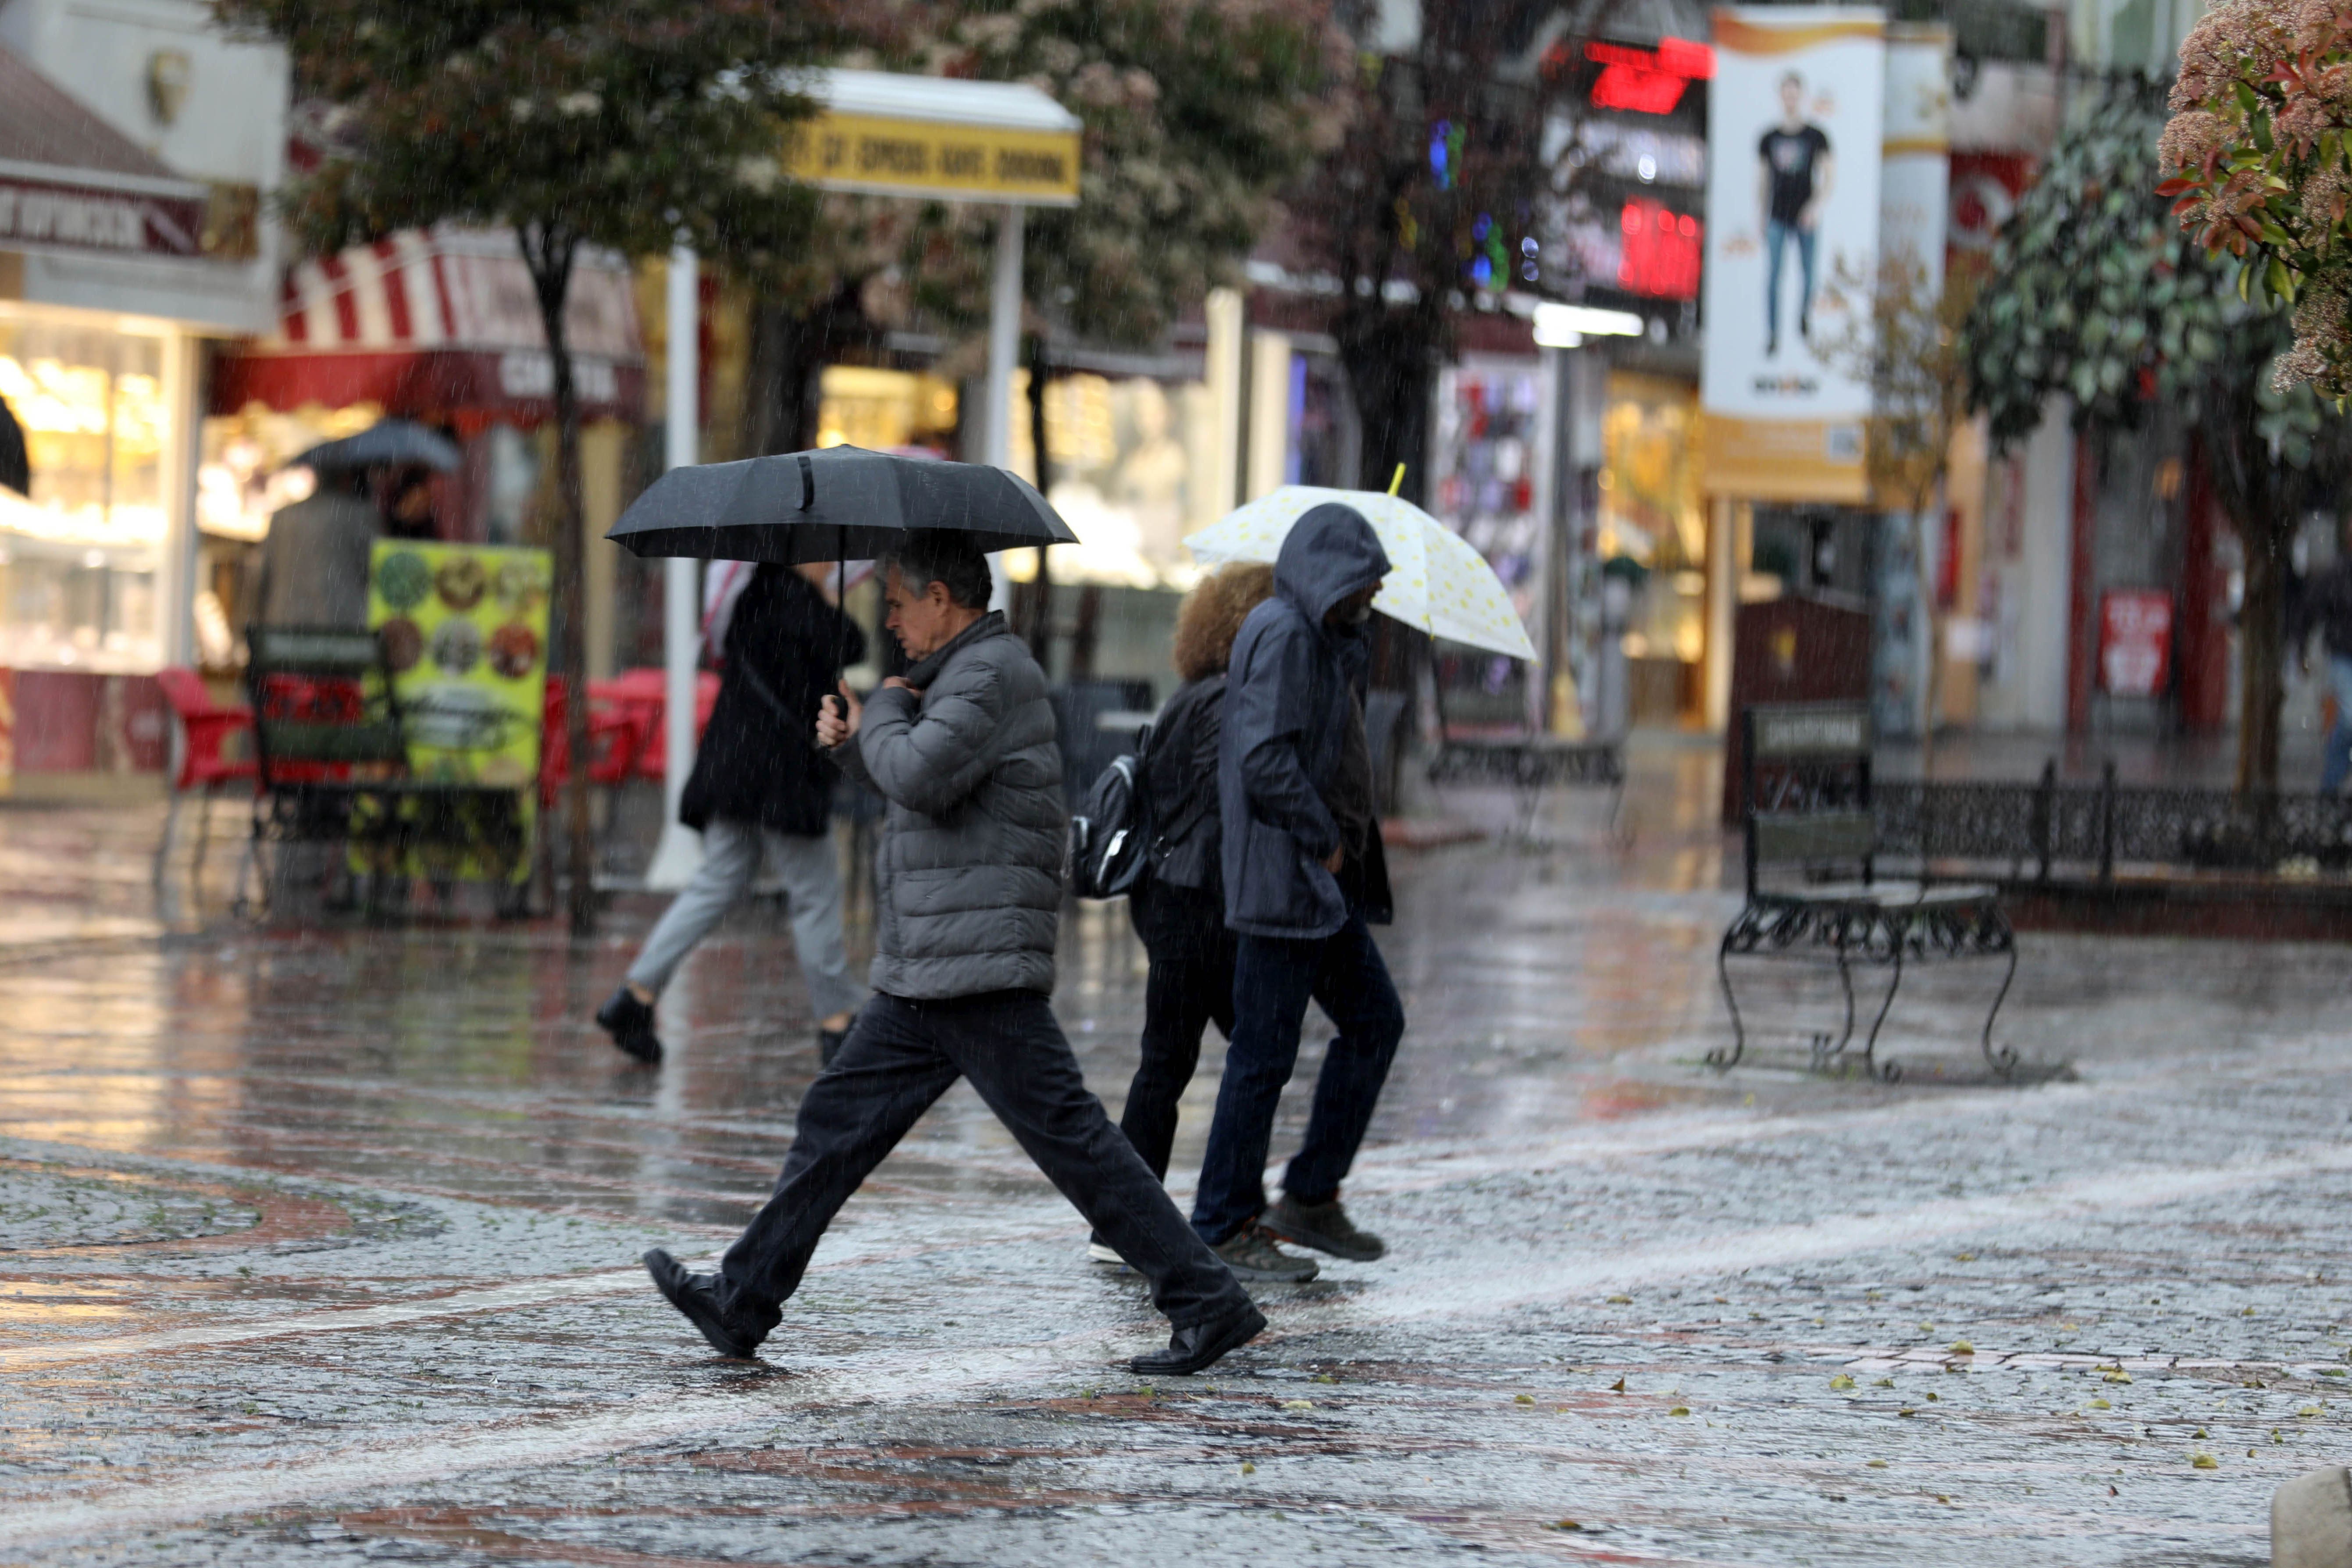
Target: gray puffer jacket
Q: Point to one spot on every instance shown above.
(968, 879)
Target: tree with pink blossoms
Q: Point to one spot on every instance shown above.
(2259, 151)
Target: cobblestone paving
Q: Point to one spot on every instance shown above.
(319, 1248)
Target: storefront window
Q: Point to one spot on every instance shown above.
(78, 558)
(1484, 466)
(1130, 461)
(885, 410)
(1651, 514)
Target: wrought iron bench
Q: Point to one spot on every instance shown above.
(1806, 806)
(1531, 765)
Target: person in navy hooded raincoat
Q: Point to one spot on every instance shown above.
(1303, 878)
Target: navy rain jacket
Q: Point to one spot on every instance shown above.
(1288, 692)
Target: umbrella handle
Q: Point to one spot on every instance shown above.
(1396, 480)
(840, 600)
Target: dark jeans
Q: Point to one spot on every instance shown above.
(1191, 986)
(1777, 236)
(1273, 977)
(902, 1056)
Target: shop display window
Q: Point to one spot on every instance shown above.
(80, 556)
(885, 410)
(1652, 515)
(1484, 488)
(1130, 461)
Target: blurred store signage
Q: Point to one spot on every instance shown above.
(920, 136)
(1647, 81)
(57, 209)
(2134, 641)
(1660, 255)
(1558, 326)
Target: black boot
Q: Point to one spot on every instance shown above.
(631, 1024)
(1197, 1345)
(697, 1296)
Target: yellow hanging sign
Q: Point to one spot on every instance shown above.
(898, 157)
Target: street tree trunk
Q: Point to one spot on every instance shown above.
(1931, 627)
(1391, 358)
(550, 250)
(2261, 496)
(1033, 602)
(788, 349)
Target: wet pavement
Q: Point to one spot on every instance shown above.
(319, 1246)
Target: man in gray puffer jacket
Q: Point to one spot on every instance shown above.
(968, 894)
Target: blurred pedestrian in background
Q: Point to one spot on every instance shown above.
(1304, 873)
(968, 895)
(760, 784)
(314, 562)
(1178, 907)
(2325, 605)
(15, 462)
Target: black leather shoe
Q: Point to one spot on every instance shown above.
(631, 1024)
(694, 1295)
(1199, 1345)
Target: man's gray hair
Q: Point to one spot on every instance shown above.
(943, 555)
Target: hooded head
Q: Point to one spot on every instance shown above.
(1330, 554)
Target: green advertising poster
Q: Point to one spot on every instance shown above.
(464, 629)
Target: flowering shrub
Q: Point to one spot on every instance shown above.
(2259, 149)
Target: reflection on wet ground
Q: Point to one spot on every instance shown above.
(321, 1242)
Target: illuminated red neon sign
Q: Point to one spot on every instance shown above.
(1660, 254)
(1647, 82)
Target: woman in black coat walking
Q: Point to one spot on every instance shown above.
(760, 784)
(1179, 909)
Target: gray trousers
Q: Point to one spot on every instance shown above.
(810, 869)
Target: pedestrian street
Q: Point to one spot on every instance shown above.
(322, 1247)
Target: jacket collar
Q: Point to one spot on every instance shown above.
(927, 670)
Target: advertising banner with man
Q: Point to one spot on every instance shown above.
(1793, 128)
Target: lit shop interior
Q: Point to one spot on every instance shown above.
(82, 559)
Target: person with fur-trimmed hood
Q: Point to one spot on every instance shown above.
(1178, 905)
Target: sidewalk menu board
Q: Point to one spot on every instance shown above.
(464, 633)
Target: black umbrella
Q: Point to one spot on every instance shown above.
(841, 503)
(388, 443)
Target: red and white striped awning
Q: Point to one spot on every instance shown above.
(441, 325)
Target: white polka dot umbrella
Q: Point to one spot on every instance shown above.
(1436, 581)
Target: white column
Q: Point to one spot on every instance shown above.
(1543, 466)
(1269, 414)
(1226, 331)
(678, 855)
(176, 573)
(1003, 347)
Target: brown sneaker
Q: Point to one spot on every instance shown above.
(1324, 1228)
(1251, 1253)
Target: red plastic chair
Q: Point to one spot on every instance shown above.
(643, 695)
(205, 728)
(613, 741)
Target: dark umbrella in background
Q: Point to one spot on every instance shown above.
(388, 444)
(16, 463)
(841, 503)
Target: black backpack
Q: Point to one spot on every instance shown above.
(1110, 837)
